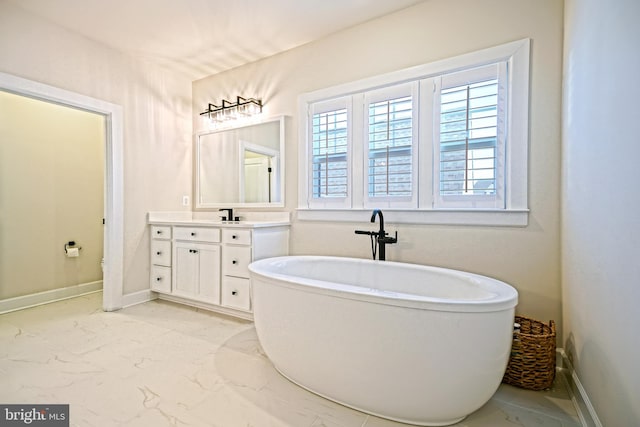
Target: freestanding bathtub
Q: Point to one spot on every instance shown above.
(415, 344)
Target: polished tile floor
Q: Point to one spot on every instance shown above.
(163, 364)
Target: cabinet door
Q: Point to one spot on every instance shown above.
(209, 273)
(186, 269)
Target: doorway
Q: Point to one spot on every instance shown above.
(113, 169)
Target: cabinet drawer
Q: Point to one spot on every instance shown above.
(236, 293)
(161, 252)
(160, 278)
(197, 234)
(236, 236)
(160, 232)
(236, 260)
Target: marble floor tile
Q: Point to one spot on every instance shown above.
(165, 364)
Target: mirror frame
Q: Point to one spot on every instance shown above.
(281, 160)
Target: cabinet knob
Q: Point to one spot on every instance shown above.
(193, 234)
(234, 292)
(158, 253)
(234, 237)
(158, 279)
(234, 262)
(159, 232)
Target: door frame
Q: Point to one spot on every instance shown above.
(113, 278)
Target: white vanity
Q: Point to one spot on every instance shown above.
(200, 260)
(203, 262)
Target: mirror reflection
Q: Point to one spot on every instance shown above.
(241, 166)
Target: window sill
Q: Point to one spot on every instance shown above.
(478, 217)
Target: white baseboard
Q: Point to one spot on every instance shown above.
(586, 411)
(46, 297)
(206, 306)
(138, 298)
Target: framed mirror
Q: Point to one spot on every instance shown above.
(242, 166)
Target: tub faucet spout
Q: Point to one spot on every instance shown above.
(378, 212)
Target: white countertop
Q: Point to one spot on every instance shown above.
(212, 219)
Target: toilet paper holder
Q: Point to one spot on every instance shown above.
(69, 245)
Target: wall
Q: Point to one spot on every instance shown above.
(156, 107)
(51, 192)
(601, 199)
(526, 257)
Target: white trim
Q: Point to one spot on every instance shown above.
(579, 397)
(46, 297)
(517, 162)
(479, 217)
(114, 188)
(139, 297)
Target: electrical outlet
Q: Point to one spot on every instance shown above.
(185, 201)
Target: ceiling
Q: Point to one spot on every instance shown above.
(204, 37)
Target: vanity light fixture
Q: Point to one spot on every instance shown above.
(243, 107)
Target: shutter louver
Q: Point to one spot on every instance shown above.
(329, 154)
(468, 139)
(390, 148)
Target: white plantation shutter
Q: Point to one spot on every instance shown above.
(330, 157)
(443, 143)
(470, 138)
(390, 153)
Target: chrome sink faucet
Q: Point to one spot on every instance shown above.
(379, 239)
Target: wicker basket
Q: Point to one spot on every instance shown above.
(532, 364)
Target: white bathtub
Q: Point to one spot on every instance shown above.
(415, 344)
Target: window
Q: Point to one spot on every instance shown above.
(469, 137)
(329, 158)
(468, 128)
(390, 148)
(439, 143)
(390, 142)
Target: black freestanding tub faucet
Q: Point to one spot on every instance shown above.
(379, 239)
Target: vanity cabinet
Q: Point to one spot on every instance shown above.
(160, 280)
(207, 266)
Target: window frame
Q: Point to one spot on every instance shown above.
(318, 108)
(461, 78)
(374, 96)
(427, 211)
